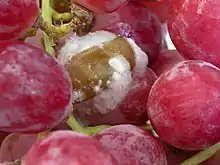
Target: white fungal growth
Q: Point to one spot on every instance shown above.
(76, 44)
(119, 87)
(141, 58)
(121, 81)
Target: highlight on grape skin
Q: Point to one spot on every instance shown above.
(67, 147)
(14, 19)
(102, 6)
(183, 105)
(36, 89)
(132, 145)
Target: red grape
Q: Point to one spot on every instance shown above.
(16, 17)
(68, 148)
(132, 109)
(131, 145)
(165, 61)
(136, 22)
(194, 29)
(35, 89)
(15, 146)
(160, 7)
(183, 105)
(102, 6)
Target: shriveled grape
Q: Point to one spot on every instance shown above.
(109, 73)
(132, 109)
(98, 61)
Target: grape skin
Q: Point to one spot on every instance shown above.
(186, 98)
(16, 16)
(68, 148)
(35, 89)
(132, 146)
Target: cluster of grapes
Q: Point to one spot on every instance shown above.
(95, 82)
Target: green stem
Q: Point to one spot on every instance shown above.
(74, 125)
(30, 33)
(47, 16)
(147, 127)
(61, 17)
(203, 155)
(56, 32)
(96, 129)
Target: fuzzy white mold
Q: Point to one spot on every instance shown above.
(121, 80)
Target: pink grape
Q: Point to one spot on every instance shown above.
(132, 109)
(16, 17)
(35, 89)
(183, 105)
(15, 146)
(68, 148)
(131, 145)
(193, 28)
(136, 22)
(102, 6)
(165, 61)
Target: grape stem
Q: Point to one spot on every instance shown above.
(30, 33)
(81, 22)
(203, 155)
(47, 16)
(147, 127)
(56, 32)
(96, 129)
(74, 125)
(61, 17)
